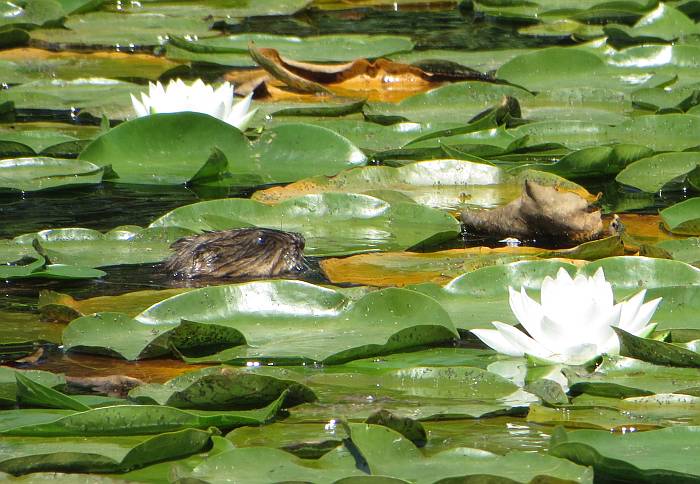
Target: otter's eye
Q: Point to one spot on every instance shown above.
(260, 240)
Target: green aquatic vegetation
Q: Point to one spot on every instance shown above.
(618, 115)
(308, 321)
(167, 149)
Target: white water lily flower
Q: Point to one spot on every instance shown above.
(573, 324)
(197, 97)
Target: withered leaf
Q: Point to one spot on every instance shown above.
(540, 212)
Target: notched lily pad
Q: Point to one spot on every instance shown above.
(649, 457)
(41, 173)
(295, 323)
(656, 352)
(682, 218)
(222, 388)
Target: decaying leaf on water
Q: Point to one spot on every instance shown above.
(112, 385)
(540, 212)
(315, 78)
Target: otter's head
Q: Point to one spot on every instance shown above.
(251, 253)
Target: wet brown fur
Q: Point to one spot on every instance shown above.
(250, 253)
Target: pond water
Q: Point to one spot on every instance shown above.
(475, 98)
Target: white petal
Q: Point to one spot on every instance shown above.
(138, 107)
(243, 123)
(238, 117)
(496, 341)
(642, 317)
(579, 354)
(520, 340)
(630, 308)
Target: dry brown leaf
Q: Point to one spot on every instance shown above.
(113, 385)
(360, 74)
(540, 212)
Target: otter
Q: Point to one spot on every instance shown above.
(250, 253)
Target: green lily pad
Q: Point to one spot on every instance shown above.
(664, 23)
(595, 161)
(436, 183)
(90, 248)
(589, 10)
(33, 393)
(682, 217)
(225, 10)
(458, 102)
(264, 463)
(130, 420)
(32, 14)
(219, 388)
(475, 299)
(326, 48)
(99, 96)
(678, 99)
(401, 461)
(563, 27)
(556, 67)
(332, 223)
(580, 103)
(167, 149)
(22, 455)
(307, 319)
(55, 306)
(8, 383)
(388, 453)
(125, 30)
(308, 441)
(659, 171)
(422, 393)
(656, 352)
(654, 456)
(34, 174)
(41, 268)
(686, 250)
(131, 339)
(619, 377)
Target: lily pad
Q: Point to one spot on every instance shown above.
(458, 102)
(22, 455)
(682, 218)
(657, 172)
(167, 149)
(41, 268)
(657, 352)
(619, 377)
(122, 30)
(664, 23)
(686, 250)
(388, 453)
(306, 319)
(332, 223)
(81, 247)
(219, 388)
(326, 48)
(401, 460)
(422, 393)
(129, 420)
(654, 456)
(436, 183)
(99, 96)
(8, 383)
(55, 306)
(39, 173)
